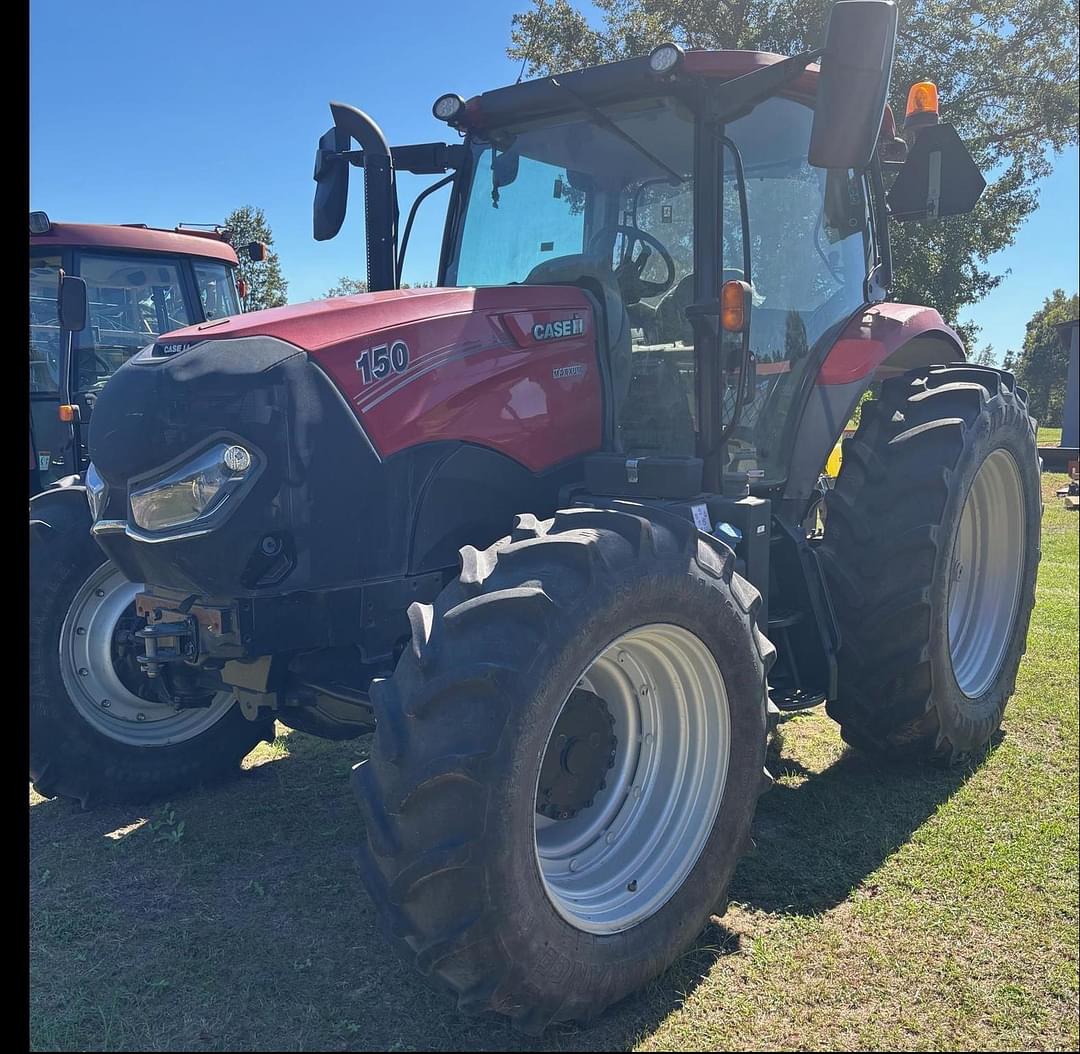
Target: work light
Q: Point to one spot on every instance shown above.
(664, 58)
(448, 107)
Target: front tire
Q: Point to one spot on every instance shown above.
(566, 763)
(931, 550)
(99, 732)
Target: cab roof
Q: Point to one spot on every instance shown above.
(136, 236)
(621, 79)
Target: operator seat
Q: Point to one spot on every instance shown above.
(593, 273)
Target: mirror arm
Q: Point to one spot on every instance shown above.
(736, 97)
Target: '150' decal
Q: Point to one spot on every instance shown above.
(377, 363)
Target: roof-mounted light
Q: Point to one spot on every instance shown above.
(448, 108)
(922, 99)
(665, 58)
(39, 223)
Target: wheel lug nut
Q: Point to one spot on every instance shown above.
(83, 671)
(105, 703)
(80, 631)
(99, 592)
(609, 837)
(140, 717)
(631, 887)
(574, 865)
(622, 656)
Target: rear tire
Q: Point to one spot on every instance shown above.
(931, 550)
(458, 856)
(86, 738)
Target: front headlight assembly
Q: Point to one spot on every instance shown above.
(194, 492)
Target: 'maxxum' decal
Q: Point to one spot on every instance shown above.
(566, 327)
(576, 369)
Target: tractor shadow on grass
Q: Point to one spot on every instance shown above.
(251, 930)
(817, 841)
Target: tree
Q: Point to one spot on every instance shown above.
(1007, 71)
(346, 287)
(1044, 362)
(984, 356)
(266, 285)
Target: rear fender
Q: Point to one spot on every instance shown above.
(882, 341)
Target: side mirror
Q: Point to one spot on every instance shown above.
(71, 303)
(939, 177)
(257, 252)
(331, 185)
(853, 83)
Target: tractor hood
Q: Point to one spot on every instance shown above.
(345, 408)
(324, 322)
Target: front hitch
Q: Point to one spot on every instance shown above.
(174, 638)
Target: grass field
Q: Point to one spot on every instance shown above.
(884, 908)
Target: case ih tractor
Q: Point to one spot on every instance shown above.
(99, 293)
(544, 527)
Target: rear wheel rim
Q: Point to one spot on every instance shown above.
(620, 859)
(986, 573)
(94, 684)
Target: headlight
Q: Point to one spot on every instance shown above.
(95, 491)
(193, 492)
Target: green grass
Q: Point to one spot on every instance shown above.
(883, 907)
(1049, 437)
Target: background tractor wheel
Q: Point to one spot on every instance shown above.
(566, 763)
(931, 549)
(100, 730)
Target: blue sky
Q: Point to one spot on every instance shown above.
(138, 115)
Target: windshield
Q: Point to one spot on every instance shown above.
(132, 299)
(44, 327)
(569, 199)
(217, 288)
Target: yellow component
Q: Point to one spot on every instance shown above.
(922, 98)
(832, 466)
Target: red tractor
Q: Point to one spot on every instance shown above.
(544, 527)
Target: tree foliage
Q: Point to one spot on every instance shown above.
(346, 286)
(1006, 71)
(266, 285)
(1044, 361)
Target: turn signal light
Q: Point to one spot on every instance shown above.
(733, 301)
(922, 98)
(68, 413)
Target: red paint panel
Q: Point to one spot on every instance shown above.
(143, 239)
(873, 336)
(479, 375)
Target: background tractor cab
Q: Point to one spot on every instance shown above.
(135, 283)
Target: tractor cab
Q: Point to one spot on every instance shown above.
(610, 204)
(140, 282)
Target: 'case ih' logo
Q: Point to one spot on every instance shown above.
(567, 327)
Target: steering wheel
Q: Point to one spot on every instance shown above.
(628, 274)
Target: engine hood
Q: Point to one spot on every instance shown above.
(320, 323)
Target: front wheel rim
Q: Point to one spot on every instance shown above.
(93, 683)
(986, 573)
(621, 858)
